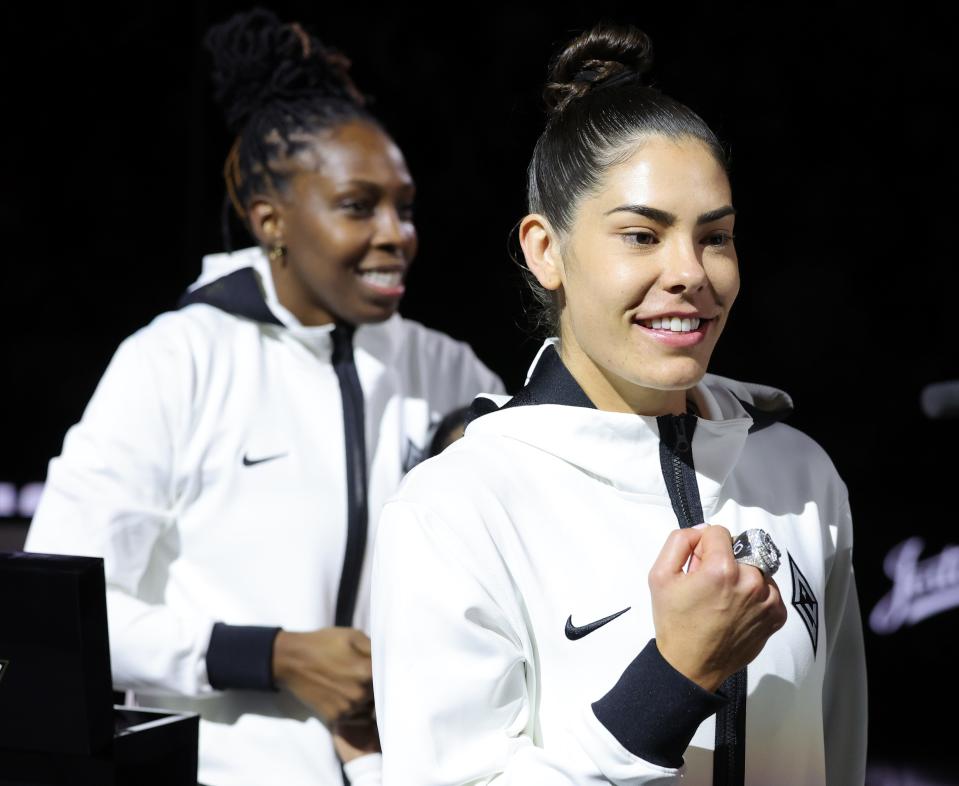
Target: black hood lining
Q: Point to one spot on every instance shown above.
(764, 418)
(551, 383)
(237, 293)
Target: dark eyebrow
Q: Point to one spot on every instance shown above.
(668, 219)
(368, 185)
(715, 215)
(652, 213)
(355, 183)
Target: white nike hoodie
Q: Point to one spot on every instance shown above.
(495, 557)
(209, 471)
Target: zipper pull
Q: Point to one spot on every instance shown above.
(682, 441)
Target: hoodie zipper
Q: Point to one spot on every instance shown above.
(354, 431)
(676, 460)
(679, 472)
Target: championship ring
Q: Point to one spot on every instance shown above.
(755, 547)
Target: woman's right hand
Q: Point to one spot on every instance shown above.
(329, 670)
(714, 619)
(356, 737)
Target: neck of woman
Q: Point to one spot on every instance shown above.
(612, 393)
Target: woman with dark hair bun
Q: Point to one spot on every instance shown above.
(233, 461)
(581, 589)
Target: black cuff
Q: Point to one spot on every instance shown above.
(241, 656)
(653, 710)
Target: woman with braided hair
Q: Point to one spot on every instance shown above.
(232, 463)
(598, 622)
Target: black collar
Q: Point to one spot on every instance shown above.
(551, 383)
(236, 293)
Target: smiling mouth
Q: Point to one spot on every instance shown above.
(675, 324)
(383, 279)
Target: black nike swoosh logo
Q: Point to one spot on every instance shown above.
(248, 462)
(574, 632)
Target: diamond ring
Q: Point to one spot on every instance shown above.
(755, 547)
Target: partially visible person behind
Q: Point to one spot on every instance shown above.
(557, 598)
(234, 458)
(451, 428)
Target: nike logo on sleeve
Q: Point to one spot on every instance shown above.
(574, 632)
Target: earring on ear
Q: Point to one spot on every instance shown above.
(277, 253)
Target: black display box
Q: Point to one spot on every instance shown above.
(150, 748)
(58, 723)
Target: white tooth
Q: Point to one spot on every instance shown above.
(687, 324)
(657, 324)
(382, 279)
(695, 323)
(676, 324)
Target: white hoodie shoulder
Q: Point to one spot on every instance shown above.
(546, 514)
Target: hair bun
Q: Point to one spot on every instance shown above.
(258, 59)
(595, 57)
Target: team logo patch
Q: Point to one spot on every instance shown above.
(413, 455)
(805, 603)
(3, 667)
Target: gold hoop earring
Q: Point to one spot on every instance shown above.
(277, 253)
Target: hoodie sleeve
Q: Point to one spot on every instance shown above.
(111, 494)
(844, 686)
(446, 372)
(454, 670)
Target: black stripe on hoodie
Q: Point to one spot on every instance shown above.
(679, 472)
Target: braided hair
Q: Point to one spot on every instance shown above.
(277, 84)
(599, 107)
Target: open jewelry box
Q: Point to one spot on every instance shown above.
(58, 722)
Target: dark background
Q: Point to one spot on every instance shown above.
(844, 170)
